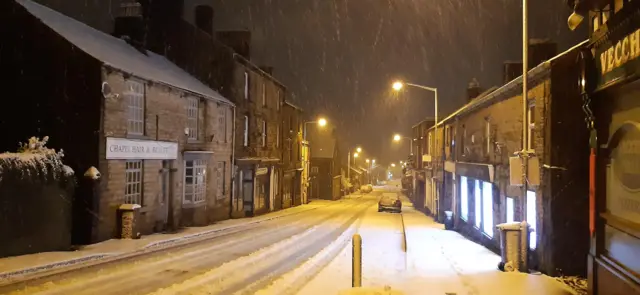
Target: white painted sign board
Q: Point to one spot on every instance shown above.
(137, 149)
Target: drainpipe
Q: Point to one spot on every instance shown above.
(233, 162)
(525, 104)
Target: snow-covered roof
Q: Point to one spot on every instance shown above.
(117, 54)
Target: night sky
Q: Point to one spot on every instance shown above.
(339, 57)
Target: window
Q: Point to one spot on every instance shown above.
(531, 218)
(617, 5)
(222, 124)
(606, 13)
(464, 198)
(245, 136)
(531, 121)
(510, 210)
(314, 169)
(195, 180)
(264, 133)
(220, 180)
(204, 18)
(478, 203)
(487, 208)
(487, 136)
(463, 140)
(134, 95)
(264, 94)
(192, 117)
(595, 23)
(133, 182)
(246, 85)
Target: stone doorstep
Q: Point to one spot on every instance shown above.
(94, 259)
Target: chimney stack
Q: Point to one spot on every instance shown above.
(473, 90)
(129, 25)
(511, 70)
(541, 50)
(239, 41)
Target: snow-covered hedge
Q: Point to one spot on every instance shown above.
(34, 161)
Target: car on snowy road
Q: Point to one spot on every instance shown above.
(390, 202)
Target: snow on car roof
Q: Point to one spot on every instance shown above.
(116, 53)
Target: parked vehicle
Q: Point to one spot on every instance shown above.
(390, 202)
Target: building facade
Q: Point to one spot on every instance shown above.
(292, 167)
(610, 89)
(325, 167)
(469, 161)
(161, 141)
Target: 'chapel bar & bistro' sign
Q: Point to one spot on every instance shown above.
(129, 149)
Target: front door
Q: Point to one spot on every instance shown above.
(247, 192)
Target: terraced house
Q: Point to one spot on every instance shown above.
(469, 162)
(145, 131)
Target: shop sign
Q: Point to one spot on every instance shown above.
(134, 149)
(619, 60)
(262, 171)
(482, 172)
(623, 173)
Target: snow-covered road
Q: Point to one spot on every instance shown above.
(308, 254)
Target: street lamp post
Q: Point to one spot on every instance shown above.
(397, 137)
(355, 155)
(398, 85)
(321, 122)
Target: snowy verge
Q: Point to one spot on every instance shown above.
(371, 291)
(293, 281)
(11, 274)
(234, 272)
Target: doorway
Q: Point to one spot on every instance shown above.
(165, 198)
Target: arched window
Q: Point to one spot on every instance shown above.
(204, 18)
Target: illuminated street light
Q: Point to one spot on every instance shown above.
(397, 137)
(359, 150)
(322, 122)
(373, 161)
(397, 85)
(355, 155)
(367, 161)
(393, 164)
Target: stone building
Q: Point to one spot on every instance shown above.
(610, 67)
(292, 167)
(158, 137)
(473, 180)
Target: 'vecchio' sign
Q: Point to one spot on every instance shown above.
(130, 149)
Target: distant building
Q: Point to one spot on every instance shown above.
(325, 166)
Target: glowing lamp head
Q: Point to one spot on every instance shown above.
(397, 85)
(396, 137)
(322, 122)
(359, 150)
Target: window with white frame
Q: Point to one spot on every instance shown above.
(510, 208)
(264, 94)
(478, 202)
(264, 133)
(195, 180)
(245, 135)
(220, 180)
(246, 85)
(192, 117)
(222, 124)
(133, 182)
(134, 96)
(464, 198)
(531, 218)
(487, 208)
(531, 122)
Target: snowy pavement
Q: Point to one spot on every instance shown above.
(307, 253)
